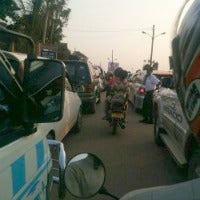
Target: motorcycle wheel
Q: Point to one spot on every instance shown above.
(114, 127)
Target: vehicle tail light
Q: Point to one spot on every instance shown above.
(141, 90)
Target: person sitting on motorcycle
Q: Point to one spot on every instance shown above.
(108, 82)
(118, 89)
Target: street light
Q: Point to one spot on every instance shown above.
(153, 36)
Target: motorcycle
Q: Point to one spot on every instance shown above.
(117, 114)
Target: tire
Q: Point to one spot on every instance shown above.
(93, 108)
(61, 185)
(77, 126)
(114, 127)
(157, 131)
(137, 110)
(194, 165)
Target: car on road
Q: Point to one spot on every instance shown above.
(72, 115)
(172, 130)
(137, 90)
(72, 112)
(82, 75)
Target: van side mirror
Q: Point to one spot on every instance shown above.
(44, 88)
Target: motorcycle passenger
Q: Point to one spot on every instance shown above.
(118, 89)
(108, 83)
(185, 62)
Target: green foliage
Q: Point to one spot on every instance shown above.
(63, 52)
(77, 55)
(8, 8)
(42, 20)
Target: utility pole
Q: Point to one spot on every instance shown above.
(152, 44)
(153, 36)
(112, 56)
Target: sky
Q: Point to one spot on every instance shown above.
(106, 29)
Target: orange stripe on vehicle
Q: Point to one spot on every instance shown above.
(194, 71)
(196, 125)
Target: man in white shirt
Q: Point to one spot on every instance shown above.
(150, 83)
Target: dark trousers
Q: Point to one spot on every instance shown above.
(148, 106)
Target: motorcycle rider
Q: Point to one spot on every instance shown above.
(185, 62)
(119, 88)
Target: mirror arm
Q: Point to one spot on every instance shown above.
(29, 127)
(104, 191)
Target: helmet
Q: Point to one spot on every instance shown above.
(185, 62)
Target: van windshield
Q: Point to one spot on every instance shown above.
(78, 72)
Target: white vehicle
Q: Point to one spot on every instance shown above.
(72, 116)
(137, 90)
(24, 150)
(72, 113)
(172, 130)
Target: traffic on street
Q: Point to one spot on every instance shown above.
(131, 158)
(78, 124)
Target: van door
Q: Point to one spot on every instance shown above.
(169, 106)
(25, 164)
(182, 128)
(25, 160)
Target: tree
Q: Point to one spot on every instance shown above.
(77, 55)
(63, 52)
(8, 8)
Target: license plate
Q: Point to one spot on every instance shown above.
(117, 115)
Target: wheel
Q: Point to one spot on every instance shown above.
(77, 126)
(61, 185)
(157, 131)
(137, 110)
(114, 127)
(194, 165)
(93, 107)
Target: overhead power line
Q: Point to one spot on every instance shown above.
(97, 30)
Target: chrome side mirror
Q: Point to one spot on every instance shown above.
(84, 175)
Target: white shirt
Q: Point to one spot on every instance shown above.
(151, 82)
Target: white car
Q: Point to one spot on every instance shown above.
(72, 115)
(137, 90)
(172, 130)
(72, 112)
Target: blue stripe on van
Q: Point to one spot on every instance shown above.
(27, 191)
(18, 174)
(40, 153)
(37, 197)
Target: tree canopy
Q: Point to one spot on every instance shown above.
(43, 20)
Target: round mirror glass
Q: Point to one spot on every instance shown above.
(84, 175)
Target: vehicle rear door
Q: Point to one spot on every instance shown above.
(168, 101)
(182, 127)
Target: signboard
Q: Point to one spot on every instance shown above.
(112, 66)
(48, 54)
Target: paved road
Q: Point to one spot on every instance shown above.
(131, 158)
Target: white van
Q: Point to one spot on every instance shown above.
(24, 150)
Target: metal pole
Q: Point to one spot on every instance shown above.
(112, 55)
(152, 43)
